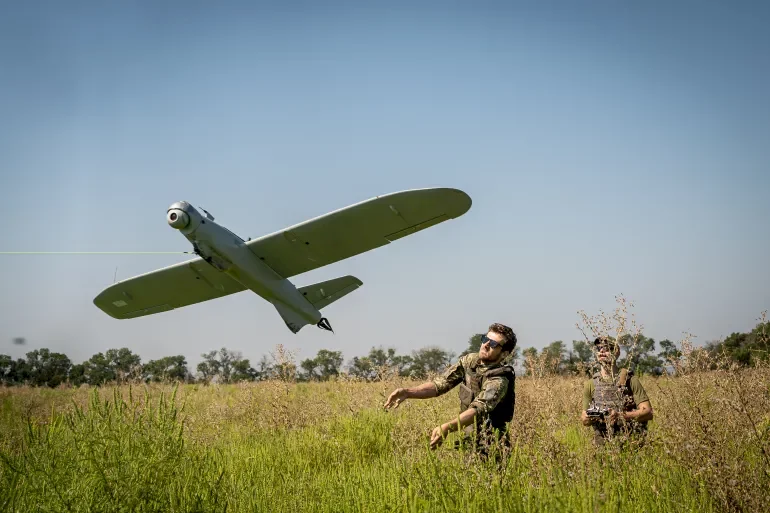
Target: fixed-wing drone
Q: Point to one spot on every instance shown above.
(227, 264)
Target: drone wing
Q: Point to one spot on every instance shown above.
(357, 228)
(182, 284)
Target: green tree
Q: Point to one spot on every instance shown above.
(168, 368)
(324, 366)
(46, 368)
(225, 365)
(530, 358)
(639, 355)
(98, 370)
(745, 349)
(669, 352)
(5, 369)
(77, 375)
(554, 355)
(209, 367)
(378, 361)
(243, 371)
(649, 364)
(738, 347)
(124, 364)
(265, 370)
(580, 359)
(362, 367)
(19, 372)
(429, 360)
(308, 366)
(551, 359)
(389, 359)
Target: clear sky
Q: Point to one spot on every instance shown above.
(609, 148)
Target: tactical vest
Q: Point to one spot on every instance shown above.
(474, 382)
(617, 396)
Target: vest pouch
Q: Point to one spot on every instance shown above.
(466, 396)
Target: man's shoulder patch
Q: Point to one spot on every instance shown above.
(504, 371)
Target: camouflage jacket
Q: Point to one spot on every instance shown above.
(490, 389)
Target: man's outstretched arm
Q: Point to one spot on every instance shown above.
(424, 391)
(441, 385)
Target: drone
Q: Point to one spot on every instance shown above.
(226, 264)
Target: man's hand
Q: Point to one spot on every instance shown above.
(438, 435)
(396, 398)
(424, 391)
(614, 416)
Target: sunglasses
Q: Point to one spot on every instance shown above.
(492, 343)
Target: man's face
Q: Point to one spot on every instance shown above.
(605, 354)
(487, 353)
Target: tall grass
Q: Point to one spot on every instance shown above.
(277, 446)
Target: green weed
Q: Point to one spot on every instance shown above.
(277, 446)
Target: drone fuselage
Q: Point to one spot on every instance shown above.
(228, 253)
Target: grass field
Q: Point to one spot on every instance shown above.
(275, 446)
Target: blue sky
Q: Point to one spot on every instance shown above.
(608, 149)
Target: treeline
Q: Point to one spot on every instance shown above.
(42, 367)
(638, 353)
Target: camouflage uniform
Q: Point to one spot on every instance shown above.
(490, 390)
(623, 394)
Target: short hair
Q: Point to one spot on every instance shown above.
(509, 337)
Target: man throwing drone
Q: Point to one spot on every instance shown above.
(486, 388)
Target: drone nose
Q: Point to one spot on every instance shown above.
(177, 219)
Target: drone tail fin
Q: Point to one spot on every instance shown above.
(320, 295)
(325, 293)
